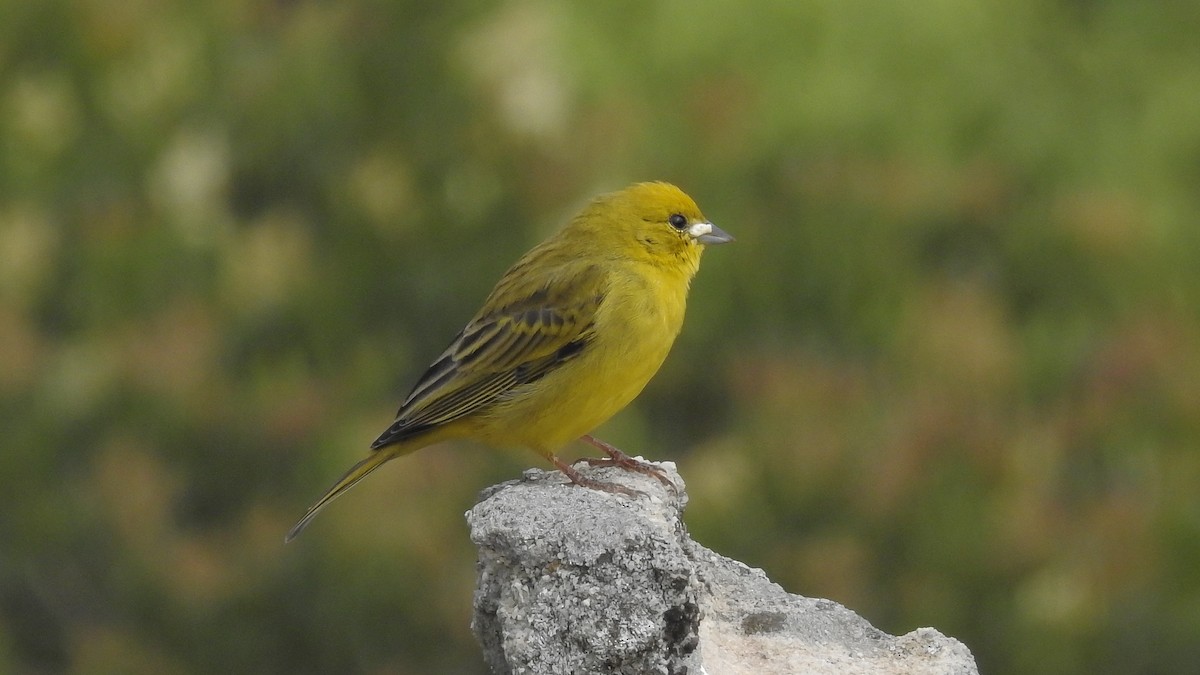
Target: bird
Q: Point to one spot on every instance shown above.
(569, 336)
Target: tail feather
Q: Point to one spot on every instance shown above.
(348, 480)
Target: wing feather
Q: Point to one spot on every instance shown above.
(503, 348)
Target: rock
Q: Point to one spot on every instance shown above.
(573, 580)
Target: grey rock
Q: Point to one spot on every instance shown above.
(573, 580)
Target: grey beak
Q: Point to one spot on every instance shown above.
(716, 236)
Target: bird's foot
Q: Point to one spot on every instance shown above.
(624, 461)
(583, 481)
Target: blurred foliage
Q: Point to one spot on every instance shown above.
(949, 375)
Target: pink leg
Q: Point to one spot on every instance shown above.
(624, 461)
(581, 480)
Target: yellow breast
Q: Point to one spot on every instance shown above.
(634, 330)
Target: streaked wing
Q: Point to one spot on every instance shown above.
(502, 348)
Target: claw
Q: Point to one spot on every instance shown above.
(620, 459)
(583, 481)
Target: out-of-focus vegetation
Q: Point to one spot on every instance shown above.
(949, 375)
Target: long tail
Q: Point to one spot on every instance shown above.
(348, 480)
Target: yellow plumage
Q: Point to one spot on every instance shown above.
(568, 337)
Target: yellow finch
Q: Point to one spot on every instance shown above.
(569, 336)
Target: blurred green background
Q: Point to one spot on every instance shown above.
(948, 376)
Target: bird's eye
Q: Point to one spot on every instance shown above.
(677, 221)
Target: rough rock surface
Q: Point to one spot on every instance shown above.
(573, 580)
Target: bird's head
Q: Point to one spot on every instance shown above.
(656, 222)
